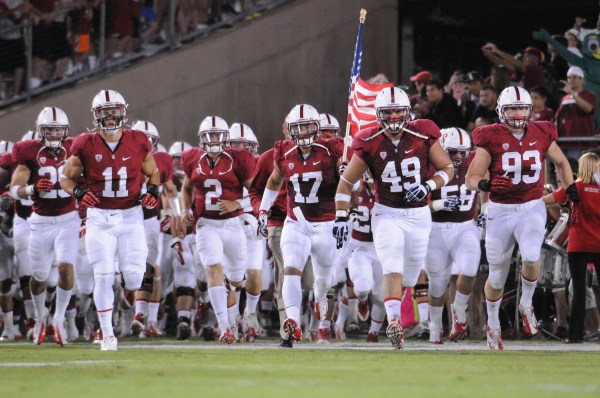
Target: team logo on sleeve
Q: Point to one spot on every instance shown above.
(43, 160)
(505, 147)
(98, 157)
(291, 166)
(383, 155)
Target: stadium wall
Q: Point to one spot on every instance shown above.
(254, 73)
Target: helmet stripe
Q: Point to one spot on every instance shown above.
(393, 94)
(146, 125)
(328, 118)
(460, 137)
(107, 95)
(53, 114)
(518, 94)
(242, 130)
(301, 111)
(214, 121)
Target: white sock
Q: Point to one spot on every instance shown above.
(62, 301)
(104, 297)
(251, 303)
(392, 308)
(435, 317)
(493, 312)
(353, 310)
(460, 300)
(153, 311)
(292, 296)
(342, 314)
(232, 312)
(141, 306)
(70, 314)
(377, 316)
(39, 303)
(325, 324)
(423, 312)
(204, 297)
(184, 314)
(218, 298)
(29, 308)
(8, 320)
(106, 324)
(527, 291)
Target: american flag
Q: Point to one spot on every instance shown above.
(361, 108)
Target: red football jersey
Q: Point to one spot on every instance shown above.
(457, 187)
(396, 169)
(366, 199)
(23, 206)
(262, 172)
(311, 180)
(522, 160)
(584, 235)
(216, 181)
(43, 163)
(114, 176)
(164, 163)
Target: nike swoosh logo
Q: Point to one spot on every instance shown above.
(409, 151)
(316, 163)
(532, 143)
(222, 172)
(124, 159)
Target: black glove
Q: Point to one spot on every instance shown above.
(418, 193)
(340, 231)
(572, 193)
(150, 199)
(86, 197)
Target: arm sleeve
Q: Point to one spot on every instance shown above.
(560, 195)
(168, 173)
(259, 182)
(245, 166)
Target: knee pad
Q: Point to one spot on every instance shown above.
(133, 281)
(185, 291)
(323, 283)
(438, 285)
(41, 275)
(362, 286)
(497, 276)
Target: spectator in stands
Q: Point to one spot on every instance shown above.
(575, 115)
(81, 35)
(12, 45)
(539, 111)
(457, 87)
(488, 97)
(120, 26)
(444, 110)
(573, 43)
(420, 81)
(528, 71)
(473, 81)
(559, 64)
(500, 77)
(584, 237)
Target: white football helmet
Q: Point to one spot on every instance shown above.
(150, 130)
(109, 104)
(392, 108)
(214, 134)
(242, 136)
(329, 124)
(303, 124)
(176, 150)
(6, 146)
(515, 99)
(457, 144)
(161, 148)
(52, 126)
(30, 135)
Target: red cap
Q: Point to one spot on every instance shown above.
(424, 76)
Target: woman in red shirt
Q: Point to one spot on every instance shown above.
(584, 236)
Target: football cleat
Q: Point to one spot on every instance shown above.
(363, 310)
(286, 343)
(98, 337)
(108, 344)
(435, 336)
(353, 328)
(137, 326)
(8, 334)
(340, 334)
(395, 333)
(530, 324)
(39, 334)
(423, 331)
(208, 334)
(153, 330)
(292, 329)
(251, 327)
(60, 332)
(459, 329)
(494, 338)
(321, 309)
(29, 328)
(201, 316)
(227, 337)
(184, 331)
(324, 336)
(373, 337)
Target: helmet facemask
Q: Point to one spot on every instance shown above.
(53, 136)
(393, 119)
(103, 116)
(213, 141)
(458, 156)
(518, 116)
(248, 145)
(304, 133)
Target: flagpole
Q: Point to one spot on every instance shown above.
(354, 73)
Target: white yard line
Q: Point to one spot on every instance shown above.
(60, 363)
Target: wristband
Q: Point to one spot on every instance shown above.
(78, 192)
(342, 197)
(437, 205)
(484, 208)
(431, 184)
(29, 190)
(244, 202)
(444, 175)
(341, 213)
(14, 192)
(175, 206)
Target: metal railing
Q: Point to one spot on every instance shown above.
(172, 40)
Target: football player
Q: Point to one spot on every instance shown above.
(513, 152)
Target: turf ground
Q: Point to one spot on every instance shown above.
(171, 369)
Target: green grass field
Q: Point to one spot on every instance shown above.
(171, 370)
